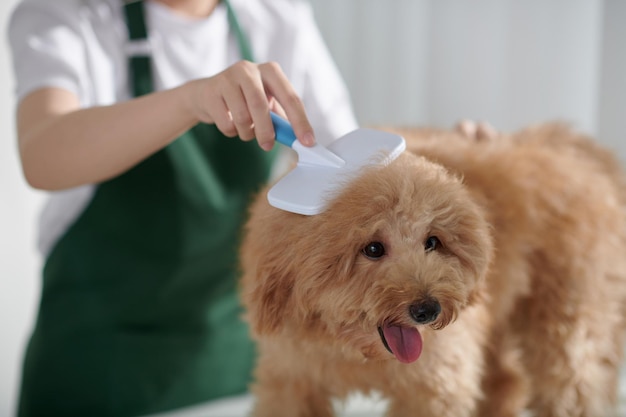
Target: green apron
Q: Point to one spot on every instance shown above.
(139, 311)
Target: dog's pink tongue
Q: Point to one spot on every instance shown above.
(405, 342)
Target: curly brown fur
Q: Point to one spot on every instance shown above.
(529, 274)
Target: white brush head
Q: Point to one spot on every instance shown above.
(308, 188)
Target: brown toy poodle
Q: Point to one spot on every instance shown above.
(466, 278)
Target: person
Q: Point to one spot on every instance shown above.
(128, 113)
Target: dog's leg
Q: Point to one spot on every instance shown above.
(574, 348)
(290, 398)
(424, 402)
(422, 406)
(505, 384)
(281, 391)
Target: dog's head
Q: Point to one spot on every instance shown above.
(403, 248)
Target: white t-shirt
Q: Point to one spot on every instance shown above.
(82, 46)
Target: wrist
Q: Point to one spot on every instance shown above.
(187, 95)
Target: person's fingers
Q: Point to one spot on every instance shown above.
(479, 131)
(223, 119)
(257, 104)
(236, 102)
(245, 98)
(276, 107)
(278, 86)
(240, 116)
(485, 131)
(239, 99)
(207, 102)
(466, 128)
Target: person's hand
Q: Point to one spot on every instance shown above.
(239, 99)
(480, 131)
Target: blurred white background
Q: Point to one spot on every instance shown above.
(511, 62)
(408, 62)
(19, 263)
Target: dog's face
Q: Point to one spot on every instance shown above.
(403, 248)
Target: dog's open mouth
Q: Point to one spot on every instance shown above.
(405, 343)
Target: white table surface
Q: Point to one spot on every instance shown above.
(356, 406)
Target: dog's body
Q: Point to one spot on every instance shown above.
(494, 270)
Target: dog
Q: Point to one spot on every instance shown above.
(468, 277)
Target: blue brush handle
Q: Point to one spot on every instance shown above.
(284, 132)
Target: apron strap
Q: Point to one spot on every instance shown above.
(134, 13)
(242, 40)
(140, 62)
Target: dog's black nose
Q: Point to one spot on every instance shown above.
(424, 312)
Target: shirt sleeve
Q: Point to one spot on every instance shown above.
(325, 94)
(46, 46)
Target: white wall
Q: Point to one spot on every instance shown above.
(611, 109)
(19, 264)
(511, 62)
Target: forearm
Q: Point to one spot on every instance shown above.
(75, 146)
(63, 146)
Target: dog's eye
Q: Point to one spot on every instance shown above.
(431, 243)
(374, 250)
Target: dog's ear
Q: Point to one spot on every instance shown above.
(474, 248)
(478, 294)
(266, 294)
(268, 275)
